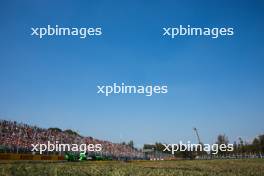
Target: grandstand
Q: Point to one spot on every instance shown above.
(17, 138)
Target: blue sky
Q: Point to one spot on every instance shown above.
(216, 85)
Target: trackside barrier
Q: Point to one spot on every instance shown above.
(11, 156)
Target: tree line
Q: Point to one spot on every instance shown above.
(241, 147)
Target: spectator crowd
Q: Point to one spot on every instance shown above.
(17, 138)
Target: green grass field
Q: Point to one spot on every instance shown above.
(252, 167)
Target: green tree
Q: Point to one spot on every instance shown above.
(131, 144)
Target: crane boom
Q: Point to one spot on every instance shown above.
(198, 137)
